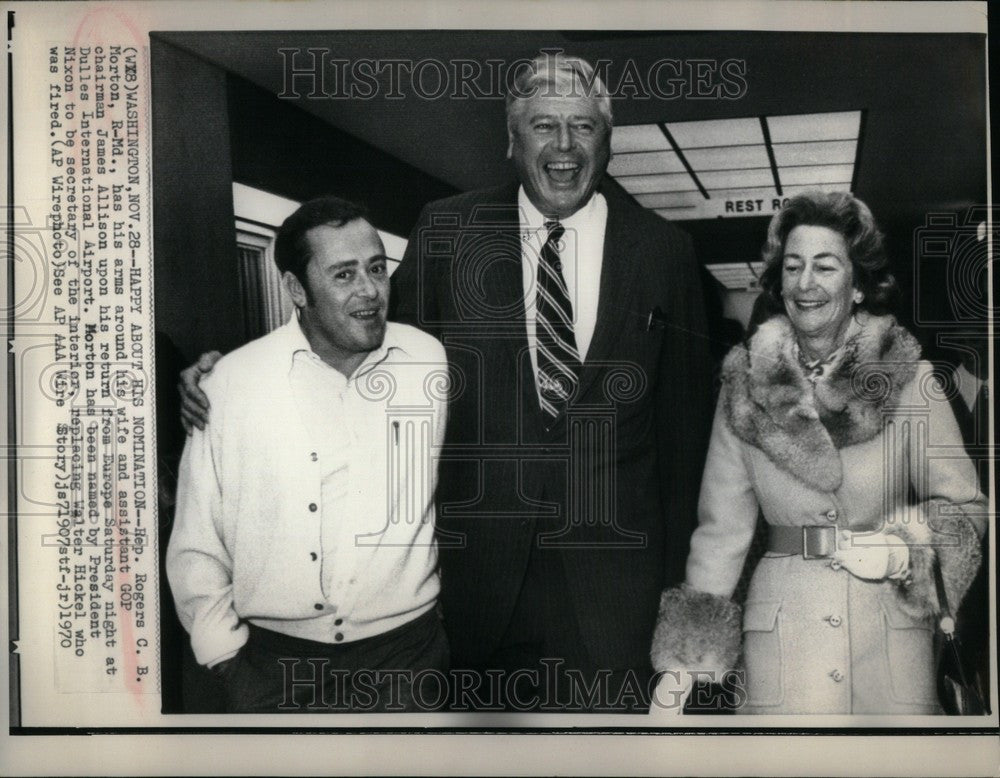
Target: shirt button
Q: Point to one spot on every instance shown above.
(338, 622)
(837, 676)
(831, 515)
(314, 456)
(318, 606)
(312, 507)
(835, 621)
(339, 636)
(313, 556)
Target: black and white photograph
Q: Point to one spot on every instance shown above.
(730, 227)
(521, 375)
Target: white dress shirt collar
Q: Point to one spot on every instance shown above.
(293, 341)
(532, 220)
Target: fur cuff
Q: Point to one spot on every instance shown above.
(696, 631)
(953, 538)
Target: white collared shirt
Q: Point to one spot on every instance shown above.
(581, 257)
(306, 505)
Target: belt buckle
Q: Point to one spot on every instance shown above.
(818, 542)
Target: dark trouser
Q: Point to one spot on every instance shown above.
(401, 670)
(542, 663)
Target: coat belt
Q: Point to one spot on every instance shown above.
(812, 542)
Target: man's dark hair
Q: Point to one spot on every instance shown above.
(290, 250)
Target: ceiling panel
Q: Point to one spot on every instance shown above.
(641, 163)
(824, 174)
(717, 132)
(727, 157)
(671, 182)
(815, 126)
(815, 152)
(640, 137)
(736, 179)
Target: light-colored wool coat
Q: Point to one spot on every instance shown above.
(874, 443)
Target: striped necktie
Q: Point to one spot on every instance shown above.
(558, 357)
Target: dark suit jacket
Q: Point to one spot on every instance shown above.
(613, 485)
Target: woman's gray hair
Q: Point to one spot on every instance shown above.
(848, 216)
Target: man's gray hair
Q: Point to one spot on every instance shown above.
(554, 74)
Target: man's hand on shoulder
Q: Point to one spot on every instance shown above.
(194, 402)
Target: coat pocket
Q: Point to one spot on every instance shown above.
(762, 653)
(908, 654)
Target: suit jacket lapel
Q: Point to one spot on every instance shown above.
(498, 267)
(619, 271)
(503, 290)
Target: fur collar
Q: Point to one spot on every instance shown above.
(771, 405)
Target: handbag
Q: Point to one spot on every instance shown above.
(961, 690)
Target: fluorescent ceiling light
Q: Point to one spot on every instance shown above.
(735, 167)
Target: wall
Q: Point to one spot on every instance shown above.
(196, 285)
(278, 147)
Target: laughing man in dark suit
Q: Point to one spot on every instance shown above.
(573, 321)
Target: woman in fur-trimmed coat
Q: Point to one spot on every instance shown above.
(831, 425)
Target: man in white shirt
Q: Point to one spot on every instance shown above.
(303, 559)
